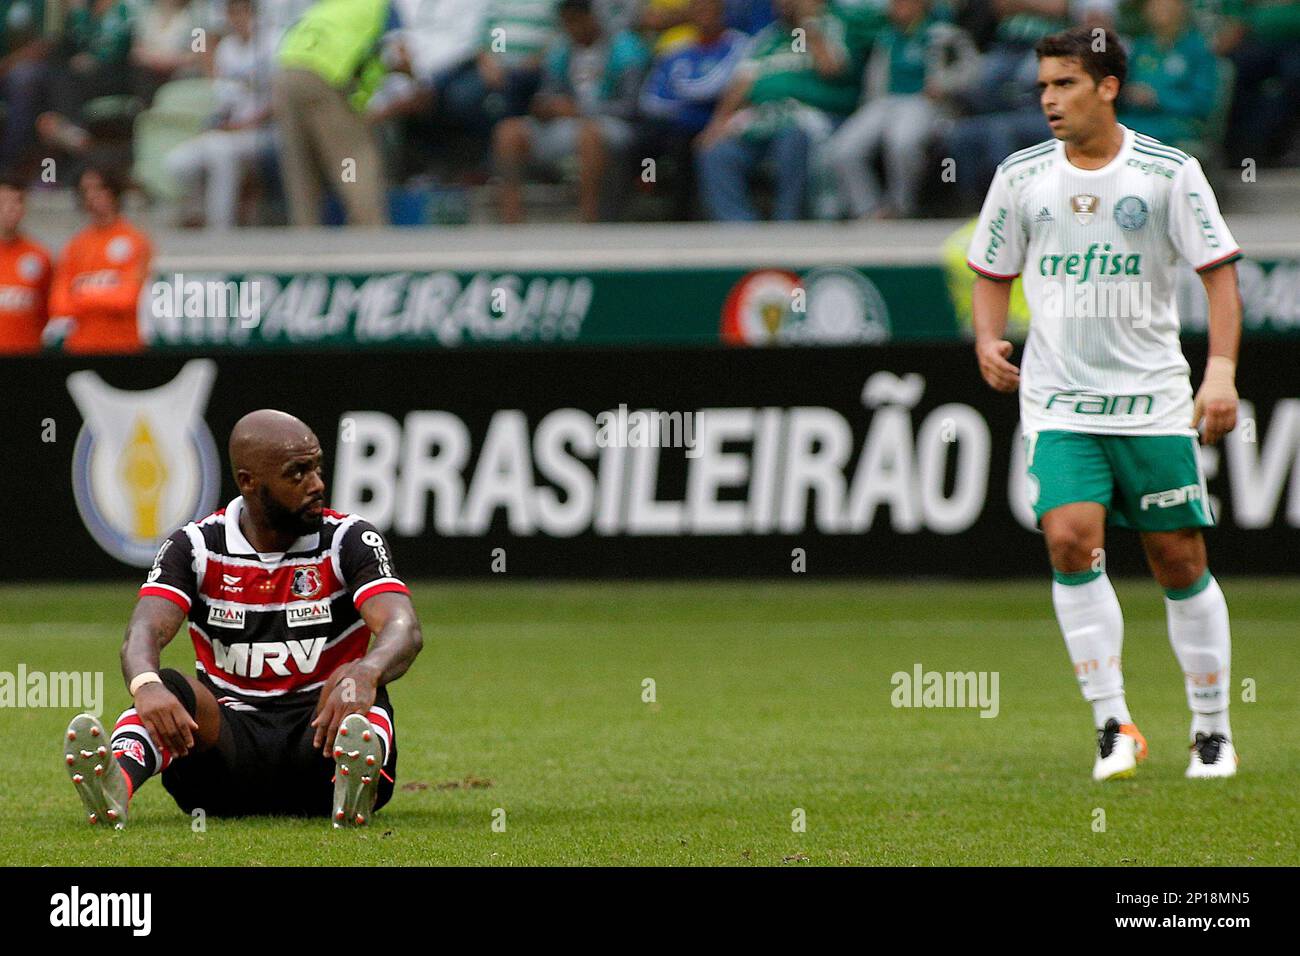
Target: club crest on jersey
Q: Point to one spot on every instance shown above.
(30, 267)
(1085, 207)
(302, 615)
(1131, 213)
(144, 462)
(306, 582)
(226, 617)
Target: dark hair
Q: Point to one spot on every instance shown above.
(112, 178)
(574, 6)
(1080, 43)
(13, 181)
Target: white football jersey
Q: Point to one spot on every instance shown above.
(1098, 252)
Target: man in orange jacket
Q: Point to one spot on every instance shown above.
(24, 276)
(98, 280)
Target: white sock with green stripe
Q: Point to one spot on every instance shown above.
(1093, 626)
(1199, 633)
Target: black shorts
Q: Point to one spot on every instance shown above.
(265, 763)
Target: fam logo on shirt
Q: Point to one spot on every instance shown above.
(144, 462)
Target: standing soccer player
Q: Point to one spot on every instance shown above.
(1096, 220)
(99, 277)
(299, 623)
(25, 273)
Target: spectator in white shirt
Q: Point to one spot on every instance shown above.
(169, 43)
(242, 132)
(437, 38)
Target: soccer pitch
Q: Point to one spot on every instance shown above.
(770, 698)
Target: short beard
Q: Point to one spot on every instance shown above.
(285, 521)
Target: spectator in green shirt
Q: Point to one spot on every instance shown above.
(791, 91)
(917, 63)
(1173, 76)
(583, 110)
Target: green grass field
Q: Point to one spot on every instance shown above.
(769, 697)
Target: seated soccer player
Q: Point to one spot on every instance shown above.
(299, 623)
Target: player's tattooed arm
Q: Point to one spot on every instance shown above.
(1216, 400)
(351, 688)
(153, 624)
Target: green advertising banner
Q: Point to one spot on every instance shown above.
(834, 305)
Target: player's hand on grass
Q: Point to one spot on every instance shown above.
(349, 690)
(997, 371)
(166, 718)
(1216, 400)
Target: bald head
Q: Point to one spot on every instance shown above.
(277, 464)
(266, 439)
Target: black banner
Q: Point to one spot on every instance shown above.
(140, 905)
(891, 460)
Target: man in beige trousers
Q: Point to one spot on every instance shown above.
(328, 67)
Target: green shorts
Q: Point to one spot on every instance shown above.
(1145, 482)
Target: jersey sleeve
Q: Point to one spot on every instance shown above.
(172, 576)
(997, 248)
(367, 564)
(1196, 227)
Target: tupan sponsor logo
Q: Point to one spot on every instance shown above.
(226, 617)
(303, 615)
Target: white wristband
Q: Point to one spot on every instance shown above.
(139, 680)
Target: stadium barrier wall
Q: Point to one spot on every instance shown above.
(886, 460)
(619, 284)
(678, 304)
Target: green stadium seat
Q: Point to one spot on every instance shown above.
(181, 110)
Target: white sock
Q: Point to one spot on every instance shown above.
(1093, 626)
(1198, 631)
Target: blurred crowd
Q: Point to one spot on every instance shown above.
(232, 112)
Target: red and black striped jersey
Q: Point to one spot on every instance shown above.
(271, 628)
